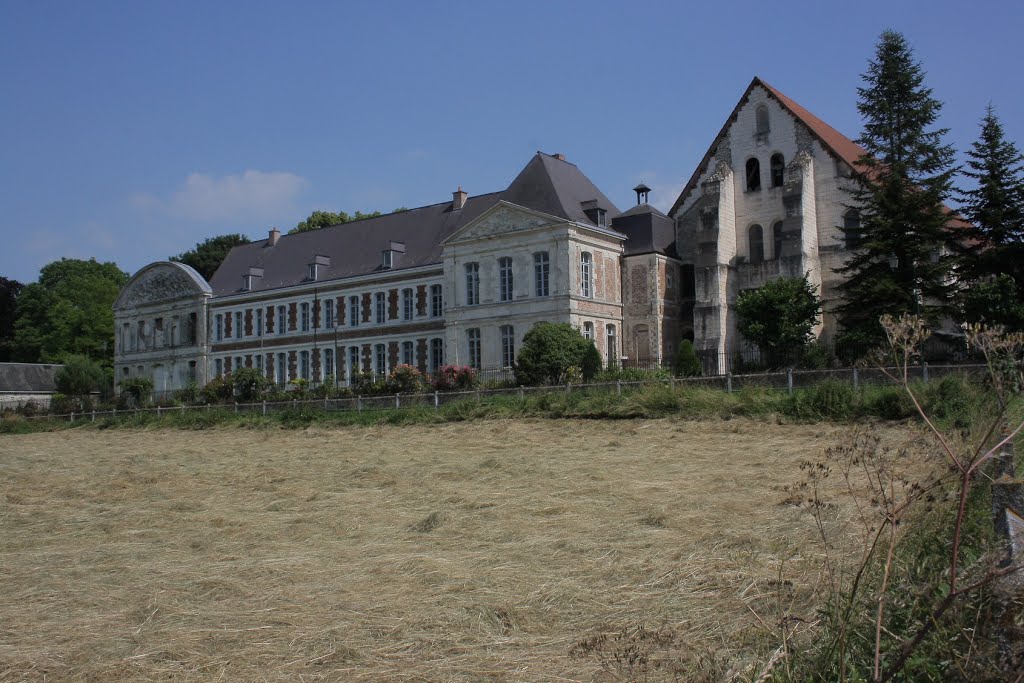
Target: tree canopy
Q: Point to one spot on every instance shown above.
(322, 219)
(207, 256)
(899, 186)
(779, 317)
(69, 311)
(9, 291)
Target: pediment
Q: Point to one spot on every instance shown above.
(160, 282)
(503, 219)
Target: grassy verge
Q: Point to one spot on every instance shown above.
(953, 400)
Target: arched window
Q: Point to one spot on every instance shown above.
(761, 114)
(778, 169)
(851, 228)
(613, 346)
(753, 175)
(777, 240)
(756, 244)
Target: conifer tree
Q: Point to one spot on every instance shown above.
(899, 187)
(994, 240)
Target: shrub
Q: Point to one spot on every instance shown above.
(455, 378)
(367, 383)
(138, 390)
(79, 377)
(548, 351)
(218, 390)
(591, 363)
(61, 404)
(686, 363)
(405, 379)
(190, 394)
(249, 384)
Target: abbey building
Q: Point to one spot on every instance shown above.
(462, 281)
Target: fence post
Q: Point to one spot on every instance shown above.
(924, 371)
(359, 403)
(264, 407)
(728, 382)
(436, 403)
(856, 379)
(522, 392)
(618, 387)
(398, 401)
(789, 380)
(236, 407)
(158, 411)
(93, 414)
(72, 416)
(568, 387)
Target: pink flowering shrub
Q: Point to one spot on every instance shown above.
(405, 379)
(455, 377)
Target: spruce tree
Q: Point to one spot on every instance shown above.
(993, 244)
(899, 186)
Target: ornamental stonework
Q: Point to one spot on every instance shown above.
(159, 285)
(502, 221)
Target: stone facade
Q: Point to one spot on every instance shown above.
(768, 202)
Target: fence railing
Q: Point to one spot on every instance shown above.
(788, 380)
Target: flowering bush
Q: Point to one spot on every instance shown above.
(455, 377)
(405, 379)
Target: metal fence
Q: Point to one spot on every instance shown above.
(789, 380)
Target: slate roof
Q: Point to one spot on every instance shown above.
(547, 184)
(831, 139)
(28, 377)
(647, 231)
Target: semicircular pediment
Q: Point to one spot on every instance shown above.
(162, 281)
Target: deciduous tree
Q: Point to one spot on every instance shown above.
(207, 256)
(779, 317)
(322, 219)
(69, 311)
(9, 290)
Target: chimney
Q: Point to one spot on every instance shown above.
(275, 235)
(559, 156)
(458, 199)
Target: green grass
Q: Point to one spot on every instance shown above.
(952, 401)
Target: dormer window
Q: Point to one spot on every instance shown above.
(390, 257)
(249, 279)
(602, 218)
(318, 267)
(597, 215)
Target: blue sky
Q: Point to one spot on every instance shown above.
(130, 131)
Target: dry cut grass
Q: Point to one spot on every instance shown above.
(458, 552)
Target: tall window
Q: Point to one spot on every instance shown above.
(380, 360)
(541, 271)
(328, 313)
(218, 367)
(407, 303)
(587, 274)
(436, 301)
(613, 346)
(473, 342)
(353, 362)
(756, 244)
(778, 170)
(777, 240)
(218, 328)
(753, 175)
(508, 346)
(588, 330)
(505, 279)
(257, 325)
(282, 369)
(353, 311)
(304, 317)
(472, 284)
(380, 308)
(436, 354)
(282, 319)
(259, 362)
(408, 356)
(328, 362)
(762, 122)
(304, 365)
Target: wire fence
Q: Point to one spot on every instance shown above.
(789, 380)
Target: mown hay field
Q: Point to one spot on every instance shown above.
(475, 551)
